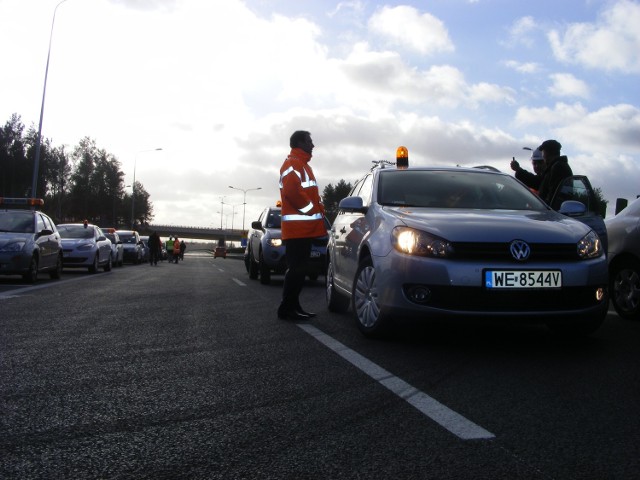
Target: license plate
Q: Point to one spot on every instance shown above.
(523, 279)
(314, 254)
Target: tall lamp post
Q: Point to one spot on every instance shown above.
(36, 162)
(221, 210)
(133, 186)
(244, 200)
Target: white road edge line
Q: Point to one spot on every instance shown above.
(436, 411)
(239, 282)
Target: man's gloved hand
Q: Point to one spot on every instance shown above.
(515, 166)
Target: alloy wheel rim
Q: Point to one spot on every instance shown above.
(366, 297)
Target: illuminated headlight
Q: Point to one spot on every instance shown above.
(590, 246)
(414, 242)
(275, 242)
(85, 246)
(12, 247)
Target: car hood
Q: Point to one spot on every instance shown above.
(492, 225)
(13, 237)
(72, 242)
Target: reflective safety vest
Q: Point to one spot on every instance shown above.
(302, 209)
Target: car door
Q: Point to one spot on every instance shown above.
(104, 245)
(45, 238)
(256, 236)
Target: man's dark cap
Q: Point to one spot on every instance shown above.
(550, 146)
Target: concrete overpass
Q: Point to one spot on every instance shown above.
(197, 233)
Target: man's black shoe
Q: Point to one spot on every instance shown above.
(292, 315)
(306, 314)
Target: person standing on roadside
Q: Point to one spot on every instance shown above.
(155, 245)
(531, 180)
(176, 250)
(556, 169)
(302, 220)
(183, 247)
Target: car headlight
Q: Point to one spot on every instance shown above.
(13, 247)
(590, 246)
(86, 246)
(275, 242)
(415, 242)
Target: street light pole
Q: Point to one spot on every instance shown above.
(221, 210)
(244, 200)
(36, 162)
(133, 186)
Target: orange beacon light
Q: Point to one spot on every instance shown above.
(402, 158)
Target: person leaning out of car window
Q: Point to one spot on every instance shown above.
(556, 169)
(531, 180)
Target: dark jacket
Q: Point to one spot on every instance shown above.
(554, 174)
(531, 180)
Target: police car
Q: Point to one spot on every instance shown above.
(29, 240)
(462, 242)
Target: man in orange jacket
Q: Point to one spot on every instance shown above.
(302, 220)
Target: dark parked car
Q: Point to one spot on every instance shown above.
(29, 240)
(471, 243)
(132, 246)
(624, 261)
(265, 252)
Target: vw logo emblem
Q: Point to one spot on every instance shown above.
(520, 250)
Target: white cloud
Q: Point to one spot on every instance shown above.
(521, 30)
(406, 27)
(566, 85)
(523, 67)
(612, 43)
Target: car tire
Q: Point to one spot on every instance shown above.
(370, 318)
(336, 302)
(624, 288)
(108, 265)
(265, 273)
(57, 272)
(94, 266)
(32, 274)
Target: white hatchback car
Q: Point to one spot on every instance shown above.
(84, 245)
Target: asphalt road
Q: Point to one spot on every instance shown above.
(184, 371)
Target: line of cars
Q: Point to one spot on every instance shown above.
(472, 243)
(31, 243)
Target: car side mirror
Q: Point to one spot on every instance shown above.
(572, 208)
(102, 238)
(256, 225)
(352, 204)
(45, 231)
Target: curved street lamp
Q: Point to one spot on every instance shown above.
(36, 161)
(244, 200)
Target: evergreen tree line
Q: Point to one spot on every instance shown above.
(86, 183)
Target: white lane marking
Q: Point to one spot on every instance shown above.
(436, 411)
(239, 282)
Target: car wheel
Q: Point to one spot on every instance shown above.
(107, 267)
(32, 274)
(265, 273)
(370, 318)
(336, 302)
(252, 267)
(57, 273)
(625, 289)
(94, 266)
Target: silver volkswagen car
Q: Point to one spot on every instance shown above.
(455, 242)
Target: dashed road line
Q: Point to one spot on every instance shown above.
(242, 284)
(450, 420)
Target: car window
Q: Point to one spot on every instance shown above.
(75, 231)
(574, 188)
(454, 189)
(19, 222)
(366, 190)
(273, 220)
(48, 224)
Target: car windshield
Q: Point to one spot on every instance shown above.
(273, 219)
(75, 231)
(454, 189)
(127, 238)
(16, 222)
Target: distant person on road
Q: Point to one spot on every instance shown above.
(302, 220)
(531, 180)
(155, 245)
(183, 247)
(169, 247)
(556, 169)
(176, 250)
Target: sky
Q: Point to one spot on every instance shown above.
(220, 85)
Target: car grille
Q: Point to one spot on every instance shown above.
(71, 260)
(480, 299)
(500, 251)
